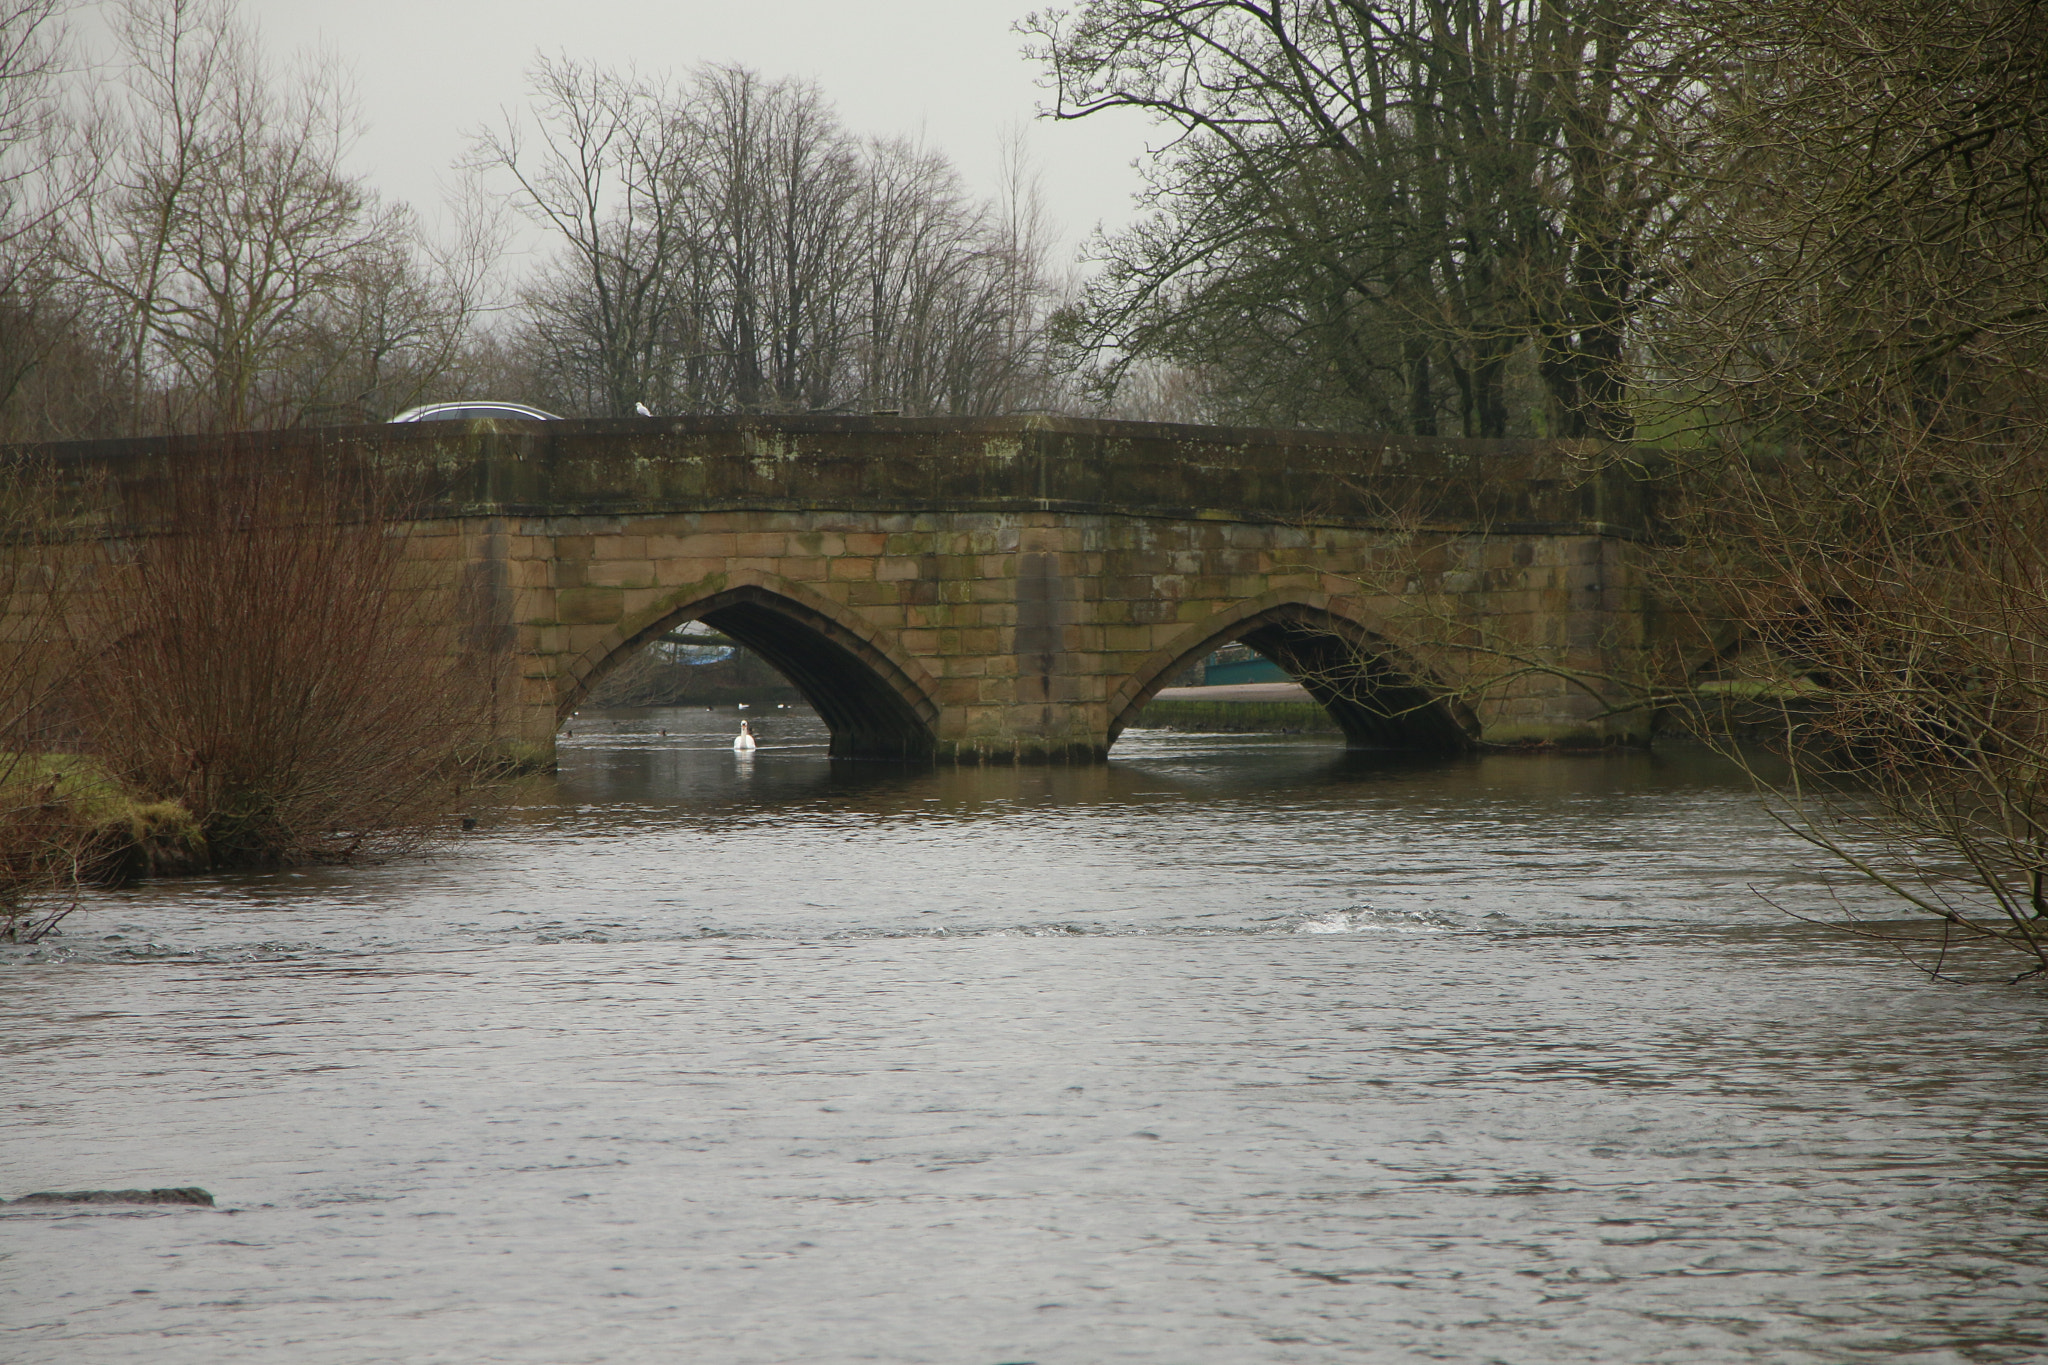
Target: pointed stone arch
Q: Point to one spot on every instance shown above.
(876, 701)
(1378, 698)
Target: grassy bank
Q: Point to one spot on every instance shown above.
(64, 823)
(116, 837)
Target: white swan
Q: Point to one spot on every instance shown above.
(745, 741)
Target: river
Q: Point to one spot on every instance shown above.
(1236, 1049)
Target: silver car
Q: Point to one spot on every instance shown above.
(471, 411)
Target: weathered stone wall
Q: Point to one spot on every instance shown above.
(1039, 634)
(1016, 590)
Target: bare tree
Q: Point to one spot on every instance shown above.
(36, 311)
(605, 178)
(935, 283)
(789, 184)
(30, 65)
(985, 304)
(42, 846)
(275, 661)
(1853, 340)
(397, 327)
(219, 230)
(1862, 315)
(728, 245)
(1372, 214)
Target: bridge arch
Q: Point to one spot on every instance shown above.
(1379, 699)
(876, 701)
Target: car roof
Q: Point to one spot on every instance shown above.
(470, 410)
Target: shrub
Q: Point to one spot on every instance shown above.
(273, 662)
(43, 846)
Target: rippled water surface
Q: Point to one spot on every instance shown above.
(1234, 1050)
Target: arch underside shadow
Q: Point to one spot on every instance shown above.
(872, 709)
(1352, 674)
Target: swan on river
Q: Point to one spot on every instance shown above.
(745, 741)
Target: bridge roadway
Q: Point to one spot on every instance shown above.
(1015, 590)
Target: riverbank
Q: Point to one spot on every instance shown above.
(1274, 708)
(650, 679)
(65, 806)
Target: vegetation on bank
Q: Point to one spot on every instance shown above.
(45, 840)
(272, 657)
(65, 824)
(653, 677)
(1864, 534)
(1236, 717)
(254, 671)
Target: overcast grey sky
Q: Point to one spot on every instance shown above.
(429, 70)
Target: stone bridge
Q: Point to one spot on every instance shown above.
(1015, 590)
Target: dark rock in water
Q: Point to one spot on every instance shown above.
(188, 1194)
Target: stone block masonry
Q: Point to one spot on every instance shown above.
(1016, 590)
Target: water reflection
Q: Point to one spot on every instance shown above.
(676, 757)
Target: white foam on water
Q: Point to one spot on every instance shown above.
(1367, 920)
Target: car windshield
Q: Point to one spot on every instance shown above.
(463, 412)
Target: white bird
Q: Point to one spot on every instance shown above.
(745, 741)
(643, 410)
(743, 706)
